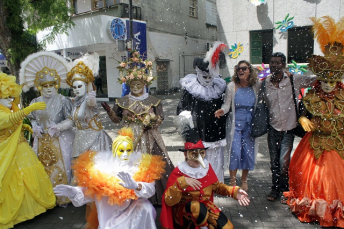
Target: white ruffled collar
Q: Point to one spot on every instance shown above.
(106, 163)
(196, 173)
(192, 85)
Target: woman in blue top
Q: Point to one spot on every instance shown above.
(240, 102)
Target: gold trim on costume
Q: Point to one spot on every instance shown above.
(95, 120)
(46, 75)
(50, 155)
(328, 119)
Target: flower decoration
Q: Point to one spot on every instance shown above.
(8, 86)
(297, 68)
(136, 69)
(286, 24)
(258, 2)
(235, 50)
(263, 72)
(147, 119)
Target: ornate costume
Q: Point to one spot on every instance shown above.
(187, 206)
(99, 176)
(39, 70)
(89, 133)
(25, 188)
(316, 185)
(144, 114)
(203, 98)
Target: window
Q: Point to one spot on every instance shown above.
(261, 46)
(98, 4)
(211, 12)
(193, 8)
(300, 44)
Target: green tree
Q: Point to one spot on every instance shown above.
(20, 20)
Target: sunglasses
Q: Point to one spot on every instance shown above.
(241, 68)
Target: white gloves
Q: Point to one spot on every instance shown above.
(129, 182)
(65, 190)
(37, 131)
(56, 129)
(91, 99)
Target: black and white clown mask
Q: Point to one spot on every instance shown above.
(205, 78)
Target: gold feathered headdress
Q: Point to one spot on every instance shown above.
(330, 36)
(84, 69)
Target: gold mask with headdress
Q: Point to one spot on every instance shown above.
(330, 36)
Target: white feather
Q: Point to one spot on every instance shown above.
(36, 62)
(90, 60)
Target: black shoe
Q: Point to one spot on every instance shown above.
(273, 195)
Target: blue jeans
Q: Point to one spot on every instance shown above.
(280, 146)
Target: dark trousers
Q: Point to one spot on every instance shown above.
(280, 146)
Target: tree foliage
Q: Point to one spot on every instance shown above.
(20, 20)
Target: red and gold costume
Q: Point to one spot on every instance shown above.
(182, 205)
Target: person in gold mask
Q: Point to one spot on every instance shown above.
(119, 182)
(315, 173)
(25, 188)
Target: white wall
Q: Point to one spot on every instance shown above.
(167, 46)
(238, 17)
(87, 31)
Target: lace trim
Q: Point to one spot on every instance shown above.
(191, 84)
(196, 173)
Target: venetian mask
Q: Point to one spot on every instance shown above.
(195, 155)
(137, 87)
(205, 78)
(7, 102)
(123, 150)
(48, 89)
(328, 86)
(79, 88)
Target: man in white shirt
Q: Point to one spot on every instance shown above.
(282, 120)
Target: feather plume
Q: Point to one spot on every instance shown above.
(213, 55)
(184, 123)
(340, 31)
(126, 132)
(90, 60)
(327, 31)
(320, 33)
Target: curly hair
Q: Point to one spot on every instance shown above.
(253, 78)
(8, 86)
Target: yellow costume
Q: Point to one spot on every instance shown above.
(25, 188)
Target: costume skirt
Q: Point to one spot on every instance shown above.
(26, 190)
(316, 186)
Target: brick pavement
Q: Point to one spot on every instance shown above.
(260, 214)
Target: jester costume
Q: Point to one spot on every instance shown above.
(179, 199)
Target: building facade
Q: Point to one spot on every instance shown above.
(256, 27)
(176, 32)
